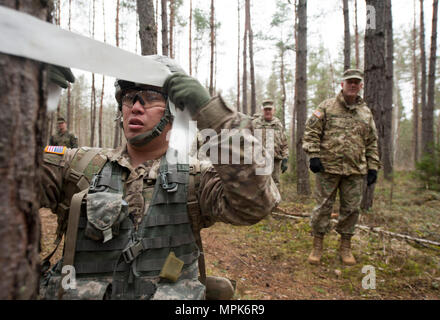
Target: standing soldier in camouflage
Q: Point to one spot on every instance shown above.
(63, 137)
(341, 142)
(132, 218)
(268, 120)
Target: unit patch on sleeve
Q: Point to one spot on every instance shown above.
(55, 149)
(317, 114)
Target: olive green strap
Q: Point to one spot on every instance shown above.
(72, 231)
(82, 183)
(194, 213)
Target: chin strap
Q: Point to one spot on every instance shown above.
(145, 138)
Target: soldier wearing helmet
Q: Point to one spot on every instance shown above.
(132, 218)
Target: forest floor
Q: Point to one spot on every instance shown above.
(269, 260)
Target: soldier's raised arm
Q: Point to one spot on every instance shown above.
(231, 193)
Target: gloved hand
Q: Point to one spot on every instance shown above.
(186, 92)
(61, 76)
(371, 177)
(316, 165)
(284, 165)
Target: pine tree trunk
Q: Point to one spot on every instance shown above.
(190, 38)
(93, 94)
(147, 27)
(251, 58)
(422, 79)
(211, 63)
(22, 138)
(416, 110)
(68, 105)
(387, 113)
(347, 42)
(92, 112)
(117, 136)
(171, 28)
(244, 82)
(356, 34)
(101, 106)
(374, 80)
(428, 119)
(303, 186)
(283, 89)
(165, 44)
(239, 108)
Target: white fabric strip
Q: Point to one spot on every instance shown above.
(26, 36)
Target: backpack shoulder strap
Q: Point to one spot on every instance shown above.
(84, 164)
(194, 212)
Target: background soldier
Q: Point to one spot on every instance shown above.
(341, 141)
(63, 137)
(268, 120)
(139, 235)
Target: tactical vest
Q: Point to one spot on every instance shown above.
(113, 260)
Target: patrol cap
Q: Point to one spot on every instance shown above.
(353, 74)
(60, 120)
(267, 104)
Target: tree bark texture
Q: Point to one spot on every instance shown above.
(172, 16)
(347, 42)
(238, 56)
(302, 171)
(244, 82)
(356, 34)
(251, 58)
(147, 27)
(116, 138)
(374, 81)
(387, 114)
(190, 38)
(423, 76)
(416, 110)
(23, 94)
(428, 117)
(211, 63)
(165, 44)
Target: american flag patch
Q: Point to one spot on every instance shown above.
(317, 114)
(55, 149)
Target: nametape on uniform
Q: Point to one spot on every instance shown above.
(317, 114)
(26, 36)
(55, 149)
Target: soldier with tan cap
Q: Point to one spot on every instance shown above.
(266, 121)
(341, 142)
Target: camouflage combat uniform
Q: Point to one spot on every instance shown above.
(281, 148)
(228, 193)
(64, 139)
(344, 138)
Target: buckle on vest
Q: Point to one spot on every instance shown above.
(164, 182)
(94, 184)
(131, 252)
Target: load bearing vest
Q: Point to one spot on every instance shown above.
(109, 250)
